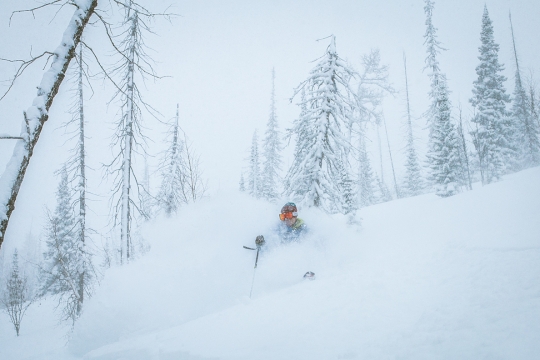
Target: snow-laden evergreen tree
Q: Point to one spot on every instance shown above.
(172, 192)
(492, 133)
(443, 157)
(532, 101)
(525, 135)
(254, 173)
(15, 296)
(444, 160)
(321, 133)
(133, 67)
(414, 183)
(349, 201)
(65, 273)
(242, 183)
(299, 132)
(57, 270)
(366, 180)
(77, 167)
(384, 193)
(271, 166)
(433, 48)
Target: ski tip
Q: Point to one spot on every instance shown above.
(310, 275)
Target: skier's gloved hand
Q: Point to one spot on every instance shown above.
(259, 241)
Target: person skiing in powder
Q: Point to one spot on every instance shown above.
(291, 227)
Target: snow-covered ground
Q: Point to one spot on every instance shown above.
(422, 278)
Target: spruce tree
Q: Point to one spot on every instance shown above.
(271, 151)
(444, 153)
(301, 131)
(384, 193)
(171, 193)
(525, 138)
(443, 149)
(366, 190)
(62, 273)
(328, 108)
(433, 48)
(414, 183)
(242, 184)
(254, 175)
(15, 296)
(492, 134)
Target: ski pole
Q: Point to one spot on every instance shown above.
(259, 241)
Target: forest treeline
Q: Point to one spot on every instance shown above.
(331, 168)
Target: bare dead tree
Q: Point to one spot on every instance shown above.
(36, 116)
(134, 66)
(195, 184)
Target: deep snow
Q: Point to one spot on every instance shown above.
(422, 278)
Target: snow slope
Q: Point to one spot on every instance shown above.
(422, 278)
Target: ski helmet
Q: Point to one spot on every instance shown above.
(289, 207)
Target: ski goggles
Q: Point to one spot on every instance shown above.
(287, 215)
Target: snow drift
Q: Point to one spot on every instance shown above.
(421, 278)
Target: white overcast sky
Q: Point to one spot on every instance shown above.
(219, 55)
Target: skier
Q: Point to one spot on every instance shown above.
(292, 227)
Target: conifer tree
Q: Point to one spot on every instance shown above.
(492, 133)
(242, 183)
(76, 168)
(443, 149)
(384, 194)
(271, 151)
(172, 193)
(366, 190)
(525, 137)
(64, 272)
(329, 105)
(254, 175)
(414, 183)
(300, 132)
(15, 296)
(433, 48)
(444, 153)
